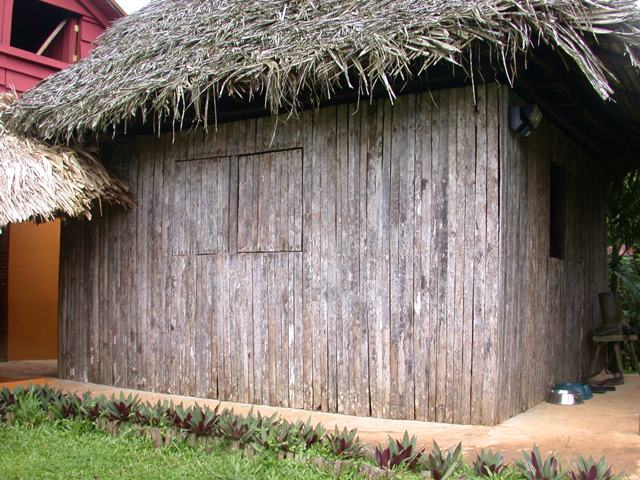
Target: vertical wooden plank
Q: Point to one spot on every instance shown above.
(402, 224)
(479, 249)
(503, 303)
(439, 260)
(312, 280)
(452, 327)
(467, 155)
(491, 342)
(4, 292)
(344, 273)
(309, 292)
(162, 187)
(120, 289)
(423, 281)
(130, 263)
(98, 304)
(92, 289)
(206, 384)
(245, 282)
(377, 293)
(358, 140)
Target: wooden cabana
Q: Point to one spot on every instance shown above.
(333, 210)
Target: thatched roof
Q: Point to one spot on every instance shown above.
(177, 56)
(40, 182)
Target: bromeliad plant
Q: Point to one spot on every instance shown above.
(202, 422)
(344, 443)
(45, 395)
(488, 463)
(27, 409)
(9, 396)
(123, 408)
(534, 467)
(309, 434)
(263, 430)
(399, 453)
(7, 400)
(237, 429)
(65, 406)
(588, 469)
(153, 415)
(284, 438)
(91, 408)
(178, 417)
(441, 465)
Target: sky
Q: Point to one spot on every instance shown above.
(132, 5)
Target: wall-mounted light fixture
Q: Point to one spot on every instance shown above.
(524, 119)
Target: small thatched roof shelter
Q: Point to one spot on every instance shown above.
(41, 182)
(175, 59)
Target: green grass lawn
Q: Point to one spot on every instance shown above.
(37, 446)
(75, 450)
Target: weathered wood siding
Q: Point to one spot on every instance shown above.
(352, 262)
(548, 305)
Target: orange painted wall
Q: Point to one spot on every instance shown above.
(34, 251)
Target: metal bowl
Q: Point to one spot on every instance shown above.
(565, 397)
(583, 388)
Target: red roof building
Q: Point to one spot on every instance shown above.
(40, 37)
(37, 39)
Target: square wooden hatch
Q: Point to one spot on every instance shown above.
(270, 201)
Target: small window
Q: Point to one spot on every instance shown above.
(43, 29)
(557, 211)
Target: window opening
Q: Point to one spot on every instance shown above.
(557, 211)
(44, 29)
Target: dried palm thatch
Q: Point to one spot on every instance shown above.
(176, 56)
(40, 182)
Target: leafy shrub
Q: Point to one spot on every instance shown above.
(309, 434)
(202, 422)
(65, 406)
(153, 415)
(45, 395)
(398, 453)
(9, 397)
(237, 428)
(344, 443)
(263, 428)
(123, 408)
(29, 407)
(488, 463)
(283, 437)
(91, 408)
(443, 465)
(588, 469)
(179, 417)
(27, 410)
(535, 467)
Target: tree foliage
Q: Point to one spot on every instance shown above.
(623, 232)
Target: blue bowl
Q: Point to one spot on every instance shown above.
(583, 388)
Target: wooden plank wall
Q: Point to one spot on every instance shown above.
(4, 293)
(548, 305)
(391, 308)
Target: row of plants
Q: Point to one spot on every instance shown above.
(336, 450)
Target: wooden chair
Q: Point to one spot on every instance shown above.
(616, 340)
